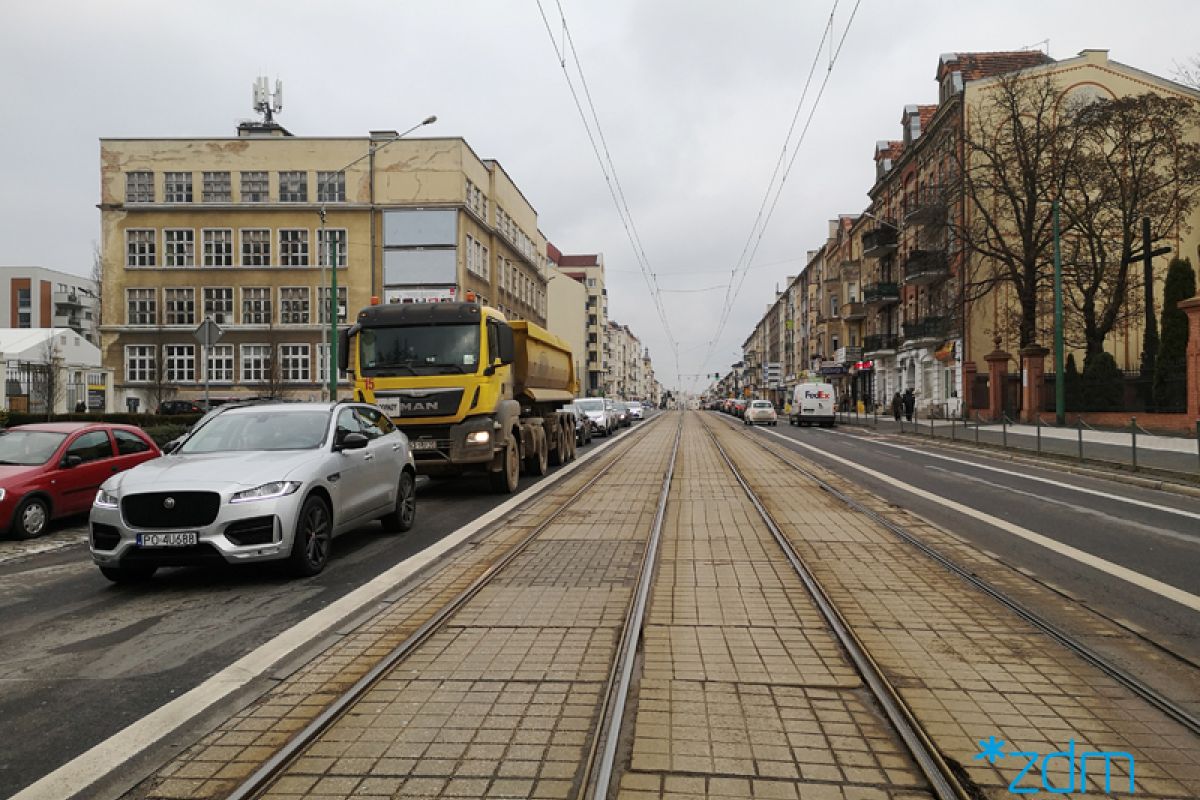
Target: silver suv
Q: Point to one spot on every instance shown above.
(265, 482)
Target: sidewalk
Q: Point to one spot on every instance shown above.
(1166, 453)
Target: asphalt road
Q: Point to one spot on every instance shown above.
(1152, 539)
(81, 658)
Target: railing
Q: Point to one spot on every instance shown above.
(927, 328)
(881, 293)
(927, 205)
(879, 242)
(874, 342)
(925, 266)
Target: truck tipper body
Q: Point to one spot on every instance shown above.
(474, 392)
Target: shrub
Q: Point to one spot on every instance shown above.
(144, 421)
(1170, 384)
(1103, 383)
(161, 434)
(1073, 385)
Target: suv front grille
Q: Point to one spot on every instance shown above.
(187, 509)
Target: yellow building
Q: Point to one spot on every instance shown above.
(231, 229)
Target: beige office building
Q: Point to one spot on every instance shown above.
(241, 230)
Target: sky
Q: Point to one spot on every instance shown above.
(694, 98)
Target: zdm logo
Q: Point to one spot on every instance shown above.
(1076, 764)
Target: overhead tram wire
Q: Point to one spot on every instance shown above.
(612, 181)
(727, 302)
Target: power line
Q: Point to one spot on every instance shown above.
(611, 179)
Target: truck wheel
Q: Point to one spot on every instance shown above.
(571, 445)
(558, 456)
(505, 480)
(538, 461)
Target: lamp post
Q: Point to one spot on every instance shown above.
(331, 251)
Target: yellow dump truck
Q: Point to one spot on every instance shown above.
(474, 392)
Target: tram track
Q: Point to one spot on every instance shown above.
(603, 747)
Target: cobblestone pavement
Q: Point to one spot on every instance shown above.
(499, 702)
(62, 534)
(966, 666)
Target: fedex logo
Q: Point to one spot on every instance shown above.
(820, 394)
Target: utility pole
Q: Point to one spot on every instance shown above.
(1060, 377)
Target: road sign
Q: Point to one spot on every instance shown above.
(209, 332)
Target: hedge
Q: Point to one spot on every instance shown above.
(145, 421)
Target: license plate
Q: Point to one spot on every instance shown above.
(389, 404)
(167, 539)
(424, 444)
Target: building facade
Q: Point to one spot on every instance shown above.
(567, 312)
(588, 269)
(243, 231)
(36, 297)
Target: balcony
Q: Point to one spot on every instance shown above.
(878, 343)
(879, 242)
(878, 295)
(71, 299)
(853, 311)
(923, 267)
(929, 329)
(927, 205)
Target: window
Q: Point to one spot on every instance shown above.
(293, 306)
(129, 444)
(833, 305)
(331, 187)
(218, 248)
(180, 306)
(142, 306)
(293, 187)
(295, 362)
(139, 363)
(177, 187)
(477, 257)
(179, 248)
(256, 247)
(255, 187)
(323, 304)
(218, 187)
(256, 362)
(322, 375)
(140, 248)
(293, 248)
(139, 187)
(181, 363)
(220, 363)
(256, 305)
(337, 244)
(91, 446)
(477, 202)
(218, 304)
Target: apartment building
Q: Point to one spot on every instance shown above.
(588, 269)
(37, 297)
(243, 231)
(567, 311)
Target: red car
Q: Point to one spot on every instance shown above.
(54, 469)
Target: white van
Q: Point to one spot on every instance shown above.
(813, 403)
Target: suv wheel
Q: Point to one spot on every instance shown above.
(405, 514)
(314, 533)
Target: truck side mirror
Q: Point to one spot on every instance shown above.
(505, 347)
(491, 368)
(343, 350)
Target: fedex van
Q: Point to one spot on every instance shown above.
(813, 403)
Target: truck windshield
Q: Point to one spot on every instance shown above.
(419, 349)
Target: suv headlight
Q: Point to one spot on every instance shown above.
(104, 499)
(268, 491)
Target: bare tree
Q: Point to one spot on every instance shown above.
(159, 388)
(1013, 163)
(97, 276)
(46, 384)
(1137, 157)
(1189, 73)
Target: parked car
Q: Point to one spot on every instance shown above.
(53, 470)
(262, 482)
(599, 414)
(180, 407)
(760, 412)
(813, 403)
(636, 412)
(583, 426)
(622, 412)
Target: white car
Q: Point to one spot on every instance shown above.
(266, 482)
(760, 412)
(600, 414)
(636, 411)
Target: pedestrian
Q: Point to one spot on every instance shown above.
(897, 406)
(910, 403)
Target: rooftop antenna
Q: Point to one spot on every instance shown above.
(266, 102)
(1043, 45)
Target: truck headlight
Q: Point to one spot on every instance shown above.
(104, 499)
(479, 437)
(268, 491)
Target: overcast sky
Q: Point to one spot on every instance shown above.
(694, 96)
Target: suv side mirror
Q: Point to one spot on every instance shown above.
(353, 441)
(171, 446)
(72, 461)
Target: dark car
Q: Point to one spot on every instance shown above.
(53, 470)
(176, 407)
(583, 426)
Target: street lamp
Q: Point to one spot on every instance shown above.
(881, 220)
(331, 252)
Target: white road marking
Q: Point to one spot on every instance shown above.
(107, 756)
(1083, 490)
(1152, 585)
(1150, 530)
